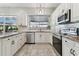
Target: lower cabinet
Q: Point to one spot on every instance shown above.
(10, 45)
(69, 47)
(0, 47)
(6, 46)
(14, 42)
(43, 37)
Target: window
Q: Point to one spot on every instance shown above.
(7, 23)
(39, 21)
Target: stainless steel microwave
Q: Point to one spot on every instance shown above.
(65, 18)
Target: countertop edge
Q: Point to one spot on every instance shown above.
(11, 34)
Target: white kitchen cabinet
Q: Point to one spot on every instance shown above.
(37, 37)
(21, 39)
(75, 12)
(24, 37)
(22, 18)
(46, 37)
(43, 37)
(57, 13)
(67, 47)
(6, 46)
(14, 44)
(76, 49)
(0, 47)
(65, 7)
(10, 45)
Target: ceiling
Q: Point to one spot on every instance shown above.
(33, 8)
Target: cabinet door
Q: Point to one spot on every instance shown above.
(76, 51)
(13, 44)
(18, 41)
(24, 37)
(65, 49)
(66, 7)
(6, 47)
(75, 12)
(67, 46)
(22, 18)
(37, 38)
(21, 41)
(43, 38)
(46, 37)
(0, 47)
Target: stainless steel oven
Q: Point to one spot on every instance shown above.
(57, 43)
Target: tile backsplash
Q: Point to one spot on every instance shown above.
(59, 27)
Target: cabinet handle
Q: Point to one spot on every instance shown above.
(13, 42)
(65, 41)
(72, 52)
(8, 39)
(40, 35)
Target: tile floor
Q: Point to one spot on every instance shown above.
(36, 50)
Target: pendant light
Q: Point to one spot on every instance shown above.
(40, 11)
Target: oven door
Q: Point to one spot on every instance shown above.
(57, 43)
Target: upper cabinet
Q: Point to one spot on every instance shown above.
(65, 7)
(22, 18)
(75, 12)
(62, 9)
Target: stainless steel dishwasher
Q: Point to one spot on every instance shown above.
(31, 37)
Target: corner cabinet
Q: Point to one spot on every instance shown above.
(43, 37)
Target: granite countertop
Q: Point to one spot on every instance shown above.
(71, 37)
(39, 31)
(8, 34)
